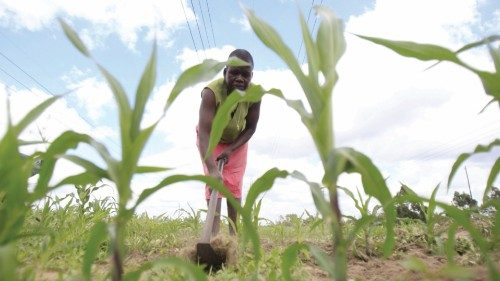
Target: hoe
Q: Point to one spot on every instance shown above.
(204, 251)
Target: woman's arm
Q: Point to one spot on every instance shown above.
(206, 117)
(252, 119)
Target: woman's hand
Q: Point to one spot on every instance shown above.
(224, 156)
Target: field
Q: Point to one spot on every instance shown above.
(106, 239)
(59, 256)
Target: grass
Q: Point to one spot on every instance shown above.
(58, 253)
(106, 239)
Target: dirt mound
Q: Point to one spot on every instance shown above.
(226, 247)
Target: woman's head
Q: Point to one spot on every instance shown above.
(239, 77)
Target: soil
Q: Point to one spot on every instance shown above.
(380, 269)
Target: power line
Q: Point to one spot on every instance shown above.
(37, 94)
(211, 25)
(190, 32)
(14, 78)
(47, 91)
(27, 74)
(204, 25)
(307, 23)
(24, 52)
(459, 143)
(198, 26)
(314, 25)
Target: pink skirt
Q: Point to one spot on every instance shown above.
(233, 171)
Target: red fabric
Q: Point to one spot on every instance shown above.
(233, 171)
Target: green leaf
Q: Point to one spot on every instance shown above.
(223, 115)
(143, 92)
(449, 246)
(312, 52)
(423, 52)
(430, 212)
(495, 169)
(150, 169)
(192, 76)
(8, 262)
(125, 112)
(374, 185)
(351, 195)
(484, 41)
(89, 167)
(131, 159)
(33, 114)
(289, 258)
(495, 55)
(318, 197)
(97, 235)
(496, 225)
(194, 272)
(273, 40)
(79, 179)
(360, 224)
(331, 45)
(23, 142)
(66, 141)
(323, 260)
(74, 39)
(14, 197)
(262, 184)
(457, 272)
(414, 264)
(464, 156)
(488, 104)
(249, 229)
(491, 83)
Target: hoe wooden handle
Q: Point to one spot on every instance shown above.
(212, 204)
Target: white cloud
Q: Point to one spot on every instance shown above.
(126, 18)
(412, 123)
(27, 14)
(422, 21)
(94, 95)
(59, 117)
(243, 23)
(189, 57)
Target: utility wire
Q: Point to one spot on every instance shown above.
(36, 94)
(46, 90)
(27, 74)
(190, 32)
(198, 26)
(459, 143)
(211, 25)
(204, 25)
(14, 78)
(24, 51)
(314, 25)
(307, 23)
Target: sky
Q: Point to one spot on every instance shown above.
(412, 121)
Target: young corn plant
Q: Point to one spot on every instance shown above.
(461, 218)
(429, 214)
(490, 81)
(491, 85)
(121, 171)
(15, 198)
(363, 206)
(323, 55)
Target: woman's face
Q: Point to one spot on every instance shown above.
(238, 77)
